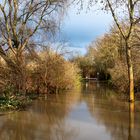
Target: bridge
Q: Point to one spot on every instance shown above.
(90, 78)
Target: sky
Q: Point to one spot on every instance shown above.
(78, 30)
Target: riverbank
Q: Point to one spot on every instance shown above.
(15, 102)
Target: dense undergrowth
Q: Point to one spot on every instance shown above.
(46, 73)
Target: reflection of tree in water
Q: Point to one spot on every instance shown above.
(44, 121)
(47, 120)
(117, 116)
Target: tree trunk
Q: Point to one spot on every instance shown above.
(130, 72)
(21, 73)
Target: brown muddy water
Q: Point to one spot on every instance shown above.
(93, 113)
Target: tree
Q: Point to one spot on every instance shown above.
(51, 73)
(86, 65)
(128, 13)
(20, 23)
(133, 19)
(104, 51)
(109, 56)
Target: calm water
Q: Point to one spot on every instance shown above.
(92, 113)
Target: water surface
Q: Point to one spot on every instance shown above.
(93, 113)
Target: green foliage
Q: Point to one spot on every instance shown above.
(86, 65)
(13, 102)
(10, 99)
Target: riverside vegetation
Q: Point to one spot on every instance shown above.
(49, 72)
(27, 64)
(106, 57)
(126, 16)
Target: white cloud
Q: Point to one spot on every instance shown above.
(81, 29)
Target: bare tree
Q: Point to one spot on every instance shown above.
(124, 12)
(132, 8)
(20, 21)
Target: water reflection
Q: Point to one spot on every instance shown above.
(94, 112)
(131, 120)
(114, 112)
(45, 120)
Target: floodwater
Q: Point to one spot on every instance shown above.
(93, 113)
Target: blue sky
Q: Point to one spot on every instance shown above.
(80, 29)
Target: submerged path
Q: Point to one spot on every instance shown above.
(93, 113)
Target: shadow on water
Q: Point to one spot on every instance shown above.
(94, 112)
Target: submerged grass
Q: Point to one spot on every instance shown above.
(14, 102)
(11, 101)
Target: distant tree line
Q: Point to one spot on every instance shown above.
(107, 56)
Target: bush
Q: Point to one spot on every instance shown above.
(53, 73)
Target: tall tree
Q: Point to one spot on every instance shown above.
(133, 18)
(124, 12)
(20, 21)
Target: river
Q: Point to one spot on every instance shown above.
(94, 112)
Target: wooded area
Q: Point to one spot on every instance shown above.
(30, 65)
(126, 15)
